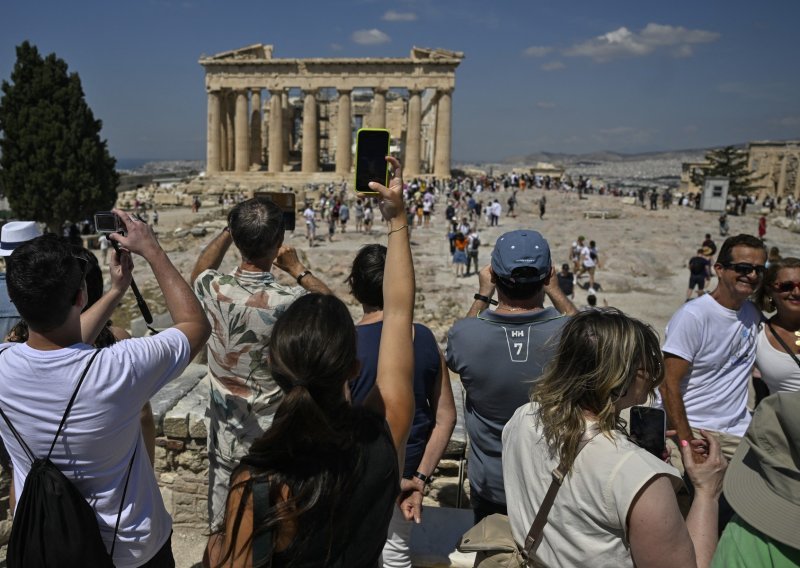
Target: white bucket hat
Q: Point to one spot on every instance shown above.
(16, 233)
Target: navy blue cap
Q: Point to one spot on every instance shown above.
(521, 249)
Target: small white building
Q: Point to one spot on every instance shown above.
(715, 194)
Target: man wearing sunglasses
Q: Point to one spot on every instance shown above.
(709, 350)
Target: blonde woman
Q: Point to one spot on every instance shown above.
(617, 506)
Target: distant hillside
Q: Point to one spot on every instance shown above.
(604, 157)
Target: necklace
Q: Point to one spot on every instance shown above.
(512, 309)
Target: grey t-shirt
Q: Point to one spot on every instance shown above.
(498, 358)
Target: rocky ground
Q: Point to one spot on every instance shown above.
(643, 254)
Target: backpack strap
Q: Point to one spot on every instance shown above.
(71, 401)
(21, 442)
(122, 501)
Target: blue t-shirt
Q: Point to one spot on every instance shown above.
(427, 365)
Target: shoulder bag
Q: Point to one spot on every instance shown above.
(492, 540)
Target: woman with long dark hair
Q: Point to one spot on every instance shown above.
(319, 487)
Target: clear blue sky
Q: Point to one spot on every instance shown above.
(575, 77)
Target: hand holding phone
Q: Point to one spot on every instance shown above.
(372, 147)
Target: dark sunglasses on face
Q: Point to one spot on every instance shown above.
(745, 268)
(786, 286)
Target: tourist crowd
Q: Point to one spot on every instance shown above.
(324, 433)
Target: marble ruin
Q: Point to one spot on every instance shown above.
(273, 115)
(776, 165)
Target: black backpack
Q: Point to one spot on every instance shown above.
(53, 525)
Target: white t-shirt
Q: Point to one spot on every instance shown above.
(588, 522)
(103, 427)
(779, 371)
(720, 345)
(586, 257)
(309, 216)
(496, 209)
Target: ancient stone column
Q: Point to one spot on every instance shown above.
(310, 129)
(287, 126)
(255, 128)
(242, 139)
(379, 109)
(444, 111)
(413, 129)
(213, 135)
(275, 131)
(797, 176)
(223, 131)
(264, 131)
(782, 178)
(344, 135)
(230, 111)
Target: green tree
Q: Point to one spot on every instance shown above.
(54, 166)
(729, 162)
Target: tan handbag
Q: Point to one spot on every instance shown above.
(492, 541)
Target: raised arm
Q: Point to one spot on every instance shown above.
(288, 262)
(212, 255)
(392, 395)
(182, 304)
(485, 289)
(95, 318)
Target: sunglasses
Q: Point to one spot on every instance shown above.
(786, 286)
(745, 268)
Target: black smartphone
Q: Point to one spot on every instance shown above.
(107, 222)
(372, 147)
(649, 429)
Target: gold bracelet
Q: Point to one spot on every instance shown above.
(397, 229)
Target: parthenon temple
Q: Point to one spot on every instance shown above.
(275, 115)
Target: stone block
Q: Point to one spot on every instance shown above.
(169, 396)
(189, 414)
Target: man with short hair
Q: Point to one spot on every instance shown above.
(710, 347)
(499, 353)
(243, 307)
(102, 435)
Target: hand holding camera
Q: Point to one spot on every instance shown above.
(131, 232)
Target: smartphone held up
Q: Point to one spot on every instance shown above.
(372, 147)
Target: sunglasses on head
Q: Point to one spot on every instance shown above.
(745, 268)
(786, 286)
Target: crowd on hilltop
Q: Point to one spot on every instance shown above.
(325, 433)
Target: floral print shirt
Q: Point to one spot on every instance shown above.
(242, 307)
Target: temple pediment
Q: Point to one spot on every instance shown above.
(257, 51)
(435, 53)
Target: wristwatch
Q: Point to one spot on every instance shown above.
(421, 476)
(485, 299)
(302, 275)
